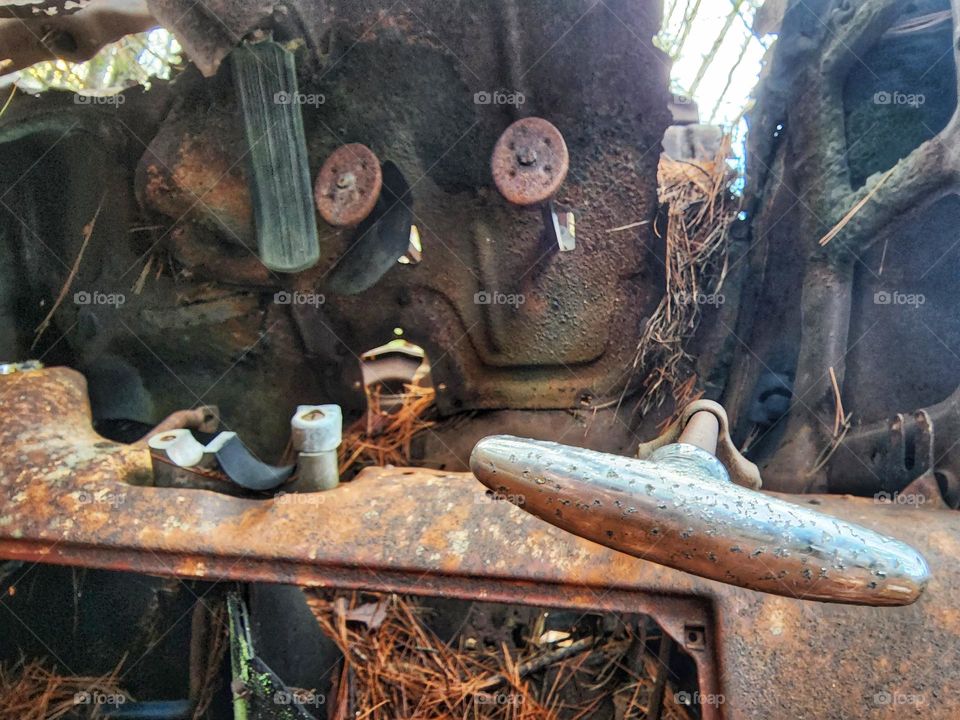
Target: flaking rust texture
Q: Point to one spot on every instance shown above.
(430, 87)
(66, 497)
(204, 173)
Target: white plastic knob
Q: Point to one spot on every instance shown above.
(316, 428)
(179, 445)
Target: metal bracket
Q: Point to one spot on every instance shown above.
(561, 227)
(742, 471)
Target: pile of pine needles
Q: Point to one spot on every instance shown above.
(395, 667)
(699, 211)
(384, 434)
(31, 691)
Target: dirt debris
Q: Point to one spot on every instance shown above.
(33, 691)
(398, 668)
(384, 434)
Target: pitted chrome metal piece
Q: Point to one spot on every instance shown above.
(348, 185)
(742, 471)
(9, 368)
(678, 508)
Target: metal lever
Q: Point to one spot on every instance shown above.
(266, 82)
(678, 508)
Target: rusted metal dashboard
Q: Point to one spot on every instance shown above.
(71, 497)
(428, 88)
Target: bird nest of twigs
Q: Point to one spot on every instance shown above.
(699, 209)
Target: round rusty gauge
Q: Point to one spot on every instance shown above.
(530, 161)
(348, 185)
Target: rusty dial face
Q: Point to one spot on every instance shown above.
(348, 185)
(530, 161)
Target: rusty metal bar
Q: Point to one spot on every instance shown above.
(68, 496)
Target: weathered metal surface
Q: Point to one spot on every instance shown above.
(348, 185)
(204, 172)
(509, 321)
(377, 243)
(205, 418)
(530, 161)
(679, 508)
(831, 132)
(884, 457)
(65, 498)
(208, 32)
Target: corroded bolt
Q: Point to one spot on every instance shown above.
(526, 156)
(316, 433)
(348, 185)
(530, 162)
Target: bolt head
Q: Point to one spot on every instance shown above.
(530, 162)
(526, 156)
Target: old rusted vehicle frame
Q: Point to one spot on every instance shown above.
(68, 496)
